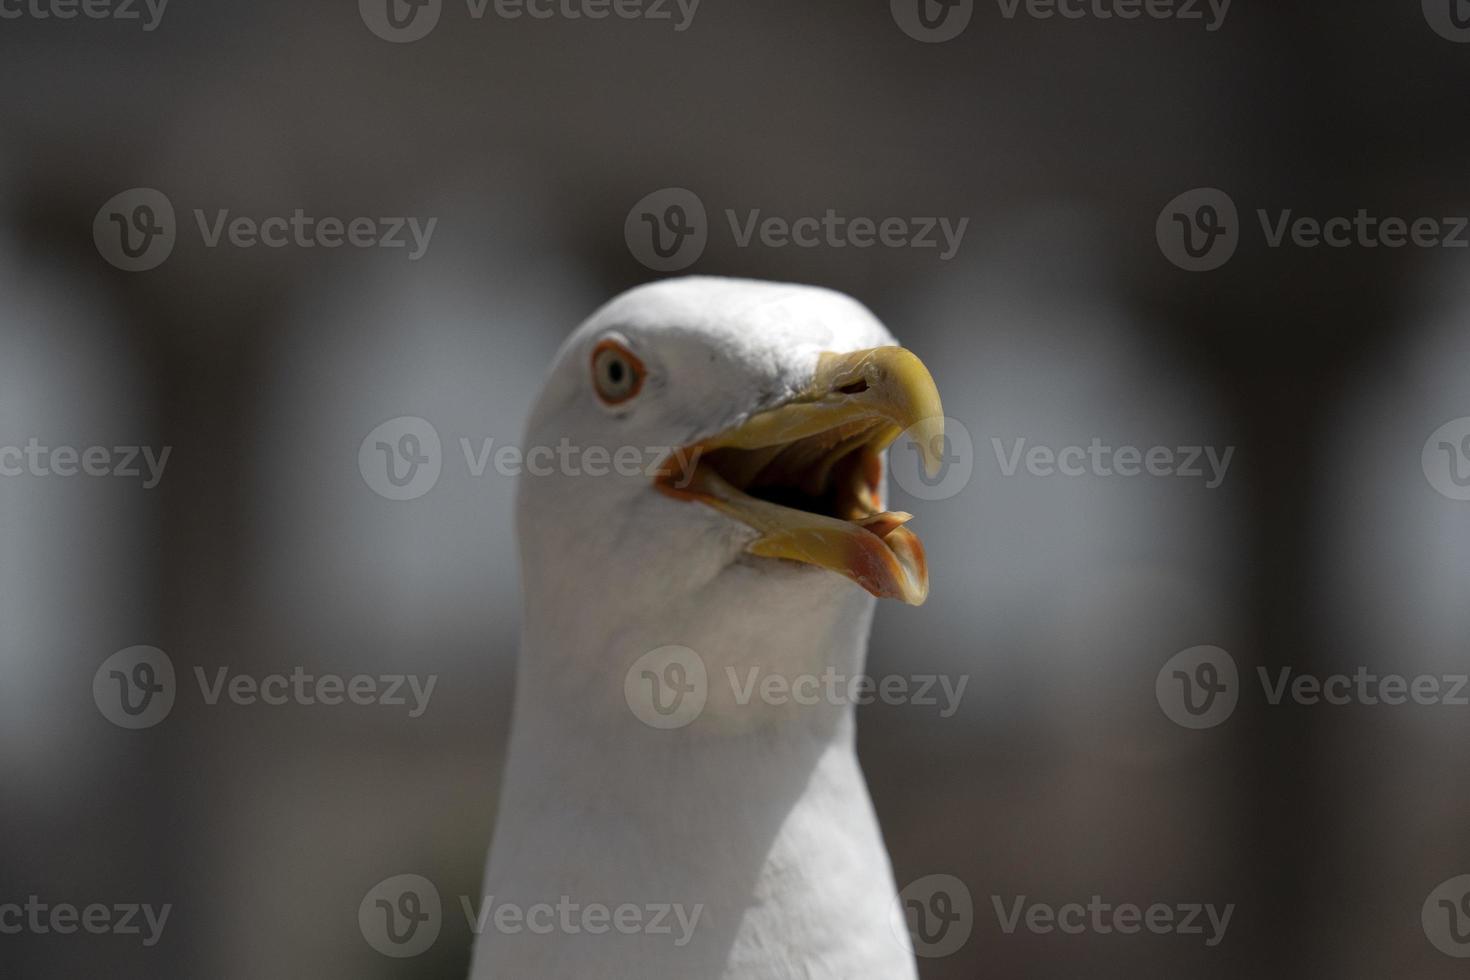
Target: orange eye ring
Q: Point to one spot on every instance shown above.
(617, 373)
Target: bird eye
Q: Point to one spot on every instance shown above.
(616, 372)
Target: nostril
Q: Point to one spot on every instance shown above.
(857, 387)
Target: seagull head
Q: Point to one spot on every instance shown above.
(738, 429)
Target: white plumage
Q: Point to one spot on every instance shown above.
(755, 814)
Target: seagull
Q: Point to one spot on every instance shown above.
(672, 807)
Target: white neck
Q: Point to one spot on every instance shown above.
(755, 814)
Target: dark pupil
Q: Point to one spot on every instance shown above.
(615, 372)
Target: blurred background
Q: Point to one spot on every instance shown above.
(1059, 320)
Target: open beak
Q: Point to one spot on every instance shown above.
(806, 473)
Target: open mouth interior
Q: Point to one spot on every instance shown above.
(816, 500)
(835, 473)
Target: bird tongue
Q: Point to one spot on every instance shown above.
(877, 551)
